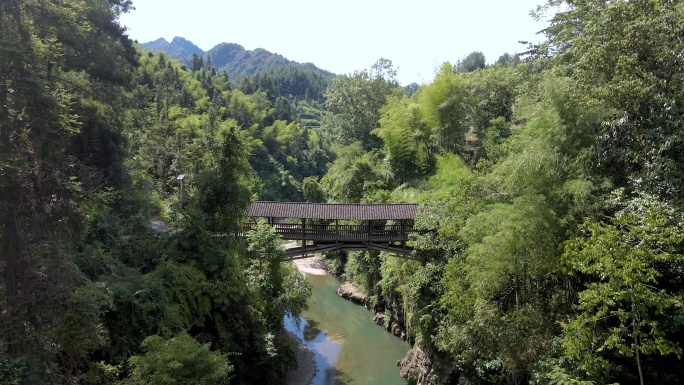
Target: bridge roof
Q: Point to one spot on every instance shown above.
(360, 212)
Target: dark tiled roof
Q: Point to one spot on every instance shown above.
(361, 212)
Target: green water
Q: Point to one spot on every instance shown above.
(349, 348)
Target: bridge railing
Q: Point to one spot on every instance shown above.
(332, 232)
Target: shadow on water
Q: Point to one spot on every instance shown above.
(311, 330)
(341, 378)
(332, 376)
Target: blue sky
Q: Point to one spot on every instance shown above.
(344, 36)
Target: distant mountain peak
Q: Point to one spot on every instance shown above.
(161, 40)
(231, 57)
(179, 48)
(181, 40)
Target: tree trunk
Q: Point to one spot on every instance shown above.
(635, 330)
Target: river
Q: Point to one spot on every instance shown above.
(349, 348)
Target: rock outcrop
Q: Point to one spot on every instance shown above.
(418, 366)
(352, 293)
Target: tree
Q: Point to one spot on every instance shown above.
(629, 306)
(197, 62)
(312, 190)
(473, 61)
(357, 100)
(508, 59)
(624, 57)
(355, 176)
(180, 359)
(64, 66)
(444, 105)
(407, 139)
(223, 192)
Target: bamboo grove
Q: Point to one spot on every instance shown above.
(554, 177)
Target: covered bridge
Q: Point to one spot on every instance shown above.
(317, 225)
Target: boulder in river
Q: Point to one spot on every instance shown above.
(396, 329)
(351, 292)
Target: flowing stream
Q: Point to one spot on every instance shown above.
(349, 348)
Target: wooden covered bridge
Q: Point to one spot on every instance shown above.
(317, 226)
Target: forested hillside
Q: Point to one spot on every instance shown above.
(295, 90)
(555, 184)
(554, 180)
(232, 58)
(111, 269)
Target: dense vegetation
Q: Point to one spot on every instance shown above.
(238, 62)
(556, 186)
(554, 179)
(94, 135)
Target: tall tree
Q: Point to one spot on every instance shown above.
(631, 308)
(63, 64)
(625, 57)
(357, 100)
(473, 61)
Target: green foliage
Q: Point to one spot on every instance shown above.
(282, 284)
(356, 174)
(448, 192)
(623, 57)
(64, 65)
(187, 290)
(501, 229)
(627, 308)
(292, 81)
(560, 377)
(139, 307)
(180, 359)
(422, 291)
(473, 61)
(498, 131)
(357, 100)
(509, 246)
(444, 109)
(363, 268)
(406, 138)
(457, 107)
(223, 187)
(312, 190)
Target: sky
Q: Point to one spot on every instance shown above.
(345, 36)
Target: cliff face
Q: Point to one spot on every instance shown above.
(419, 366)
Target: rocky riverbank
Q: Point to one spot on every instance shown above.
(306, 365)
(311, 265)
(390, 316)
(352, 293)
(424, 369)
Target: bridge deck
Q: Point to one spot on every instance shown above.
(342, 233)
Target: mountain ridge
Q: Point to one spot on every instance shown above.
(232, 57)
